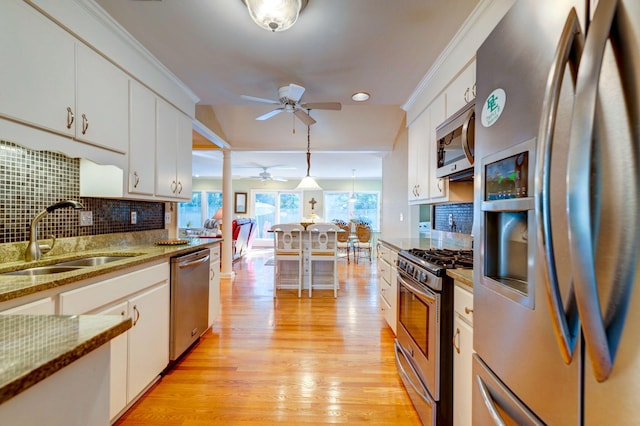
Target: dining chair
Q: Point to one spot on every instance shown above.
(323, 248)
(287, 251)
(363, 241)
(344, 242)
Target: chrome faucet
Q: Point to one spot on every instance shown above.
(35, 250)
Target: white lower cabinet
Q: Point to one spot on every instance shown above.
(119, 348)
(214, 284)
(462, 355)
(140, 355)
(388, 278)
(148, 338)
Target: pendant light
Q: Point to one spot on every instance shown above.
(307, 182)
(352, 199)
(275, 15)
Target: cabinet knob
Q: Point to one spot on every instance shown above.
(468, 311)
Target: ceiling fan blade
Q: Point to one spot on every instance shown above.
(304, 117)
(295, 92)
(270, 114)
(334, 106)
(262, 100)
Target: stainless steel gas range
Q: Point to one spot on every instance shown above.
(425, 324)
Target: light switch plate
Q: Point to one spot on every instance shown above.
(167, 218)
(134, 218)
(86, 218)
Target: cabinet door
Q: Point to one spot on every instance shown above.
(418, 158)
(462, 375)
(461, 90)
(166, 136)
(438, 187)
(142, 139)
(148, 338)
(118, 371)
(214, 284)
(102, 101)
(37, 75)
(183, 150)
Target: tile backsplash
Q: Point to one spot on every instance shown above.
(461, 215)
(30, 181)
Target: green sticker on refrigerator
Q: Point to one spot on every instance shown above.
(493, 107)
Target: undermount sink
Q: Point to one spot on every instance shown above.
(43, 270)
(68, 265)
(92, 261)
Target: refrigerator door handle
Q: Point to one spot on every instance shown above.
(601, 339)
(488, 402)
(565, 324)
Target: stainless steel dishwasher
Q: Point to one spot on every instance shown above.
(189, 300)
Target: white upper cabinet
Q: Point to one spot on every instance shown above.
(438, 187)
(56, 83)
(102, 101)
(173, 152)
(142, 140)
(37, 85)
(418, 157)
(461, 90)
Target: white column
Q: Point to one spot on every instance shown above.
(227, 216)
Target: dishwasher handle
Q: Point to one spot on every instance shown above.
(193, 263)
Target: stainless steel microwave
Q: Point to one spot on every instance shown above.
(455, 143)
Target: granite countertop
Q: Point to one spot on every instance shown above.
(139, 250)
(464, 276)
(36, 346)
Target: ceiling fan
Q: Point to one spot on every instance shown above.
(289, 101)
(265, 175)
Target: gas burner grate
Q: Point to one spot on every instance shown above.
(445, 258)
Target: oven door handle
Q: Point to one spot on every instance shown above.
(430, 298)
(421, 392)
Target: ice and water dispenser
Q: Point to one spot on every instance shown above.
(508, 215)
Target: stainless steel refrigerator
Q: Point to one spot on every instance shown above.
(557, 209)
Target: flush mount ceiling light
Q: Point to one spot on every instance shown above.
(275, 15)
(307, 182)
(360, 96)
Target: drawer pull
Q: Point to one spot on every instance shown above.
(456, 337)
(468, 311)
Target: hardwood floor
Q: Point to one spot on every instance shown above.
(285, 360)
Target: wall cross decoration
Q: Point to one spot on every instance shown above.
(313, 203)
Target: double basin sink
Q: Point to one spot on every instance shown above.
(68, 265)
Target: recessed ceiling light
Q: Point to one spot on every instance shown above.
(360, 96)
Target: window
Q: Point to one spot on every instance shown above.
(367, 205)
(272, 207)
(203, 205)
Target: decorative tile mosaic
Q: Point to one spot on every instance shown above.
(462, 217)
(30, 181)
